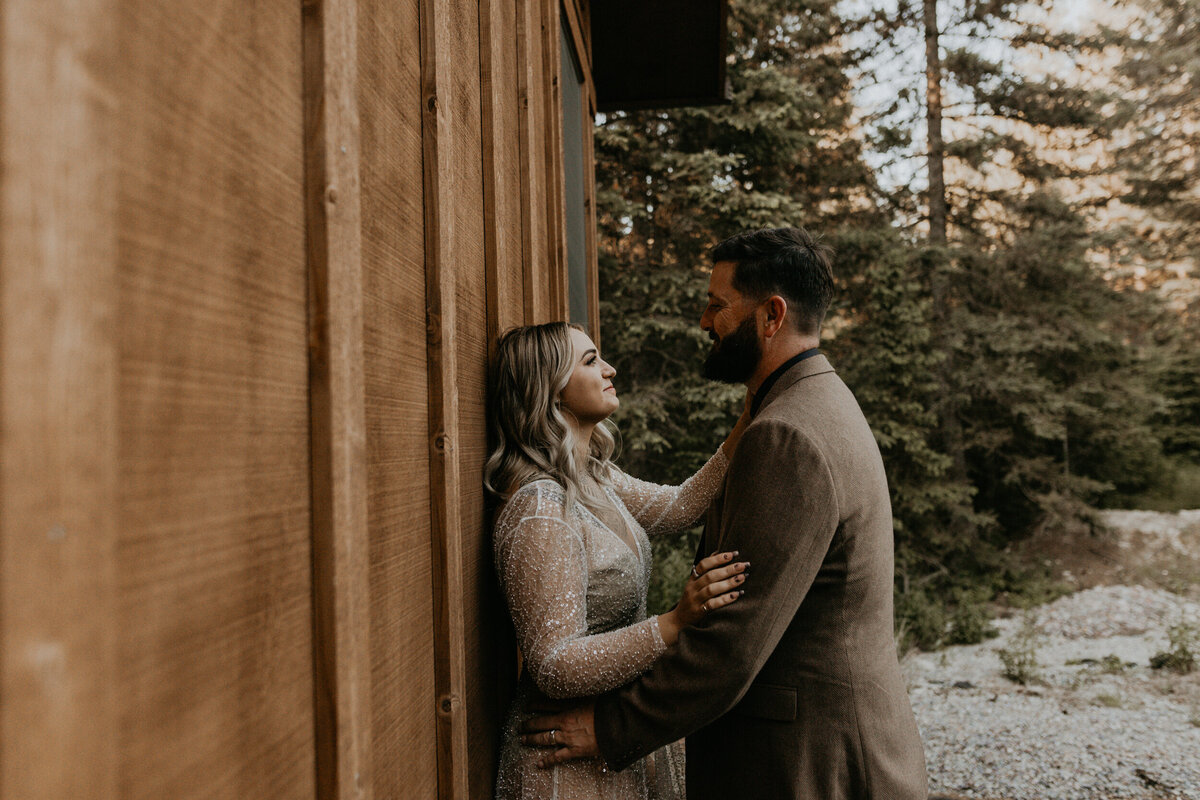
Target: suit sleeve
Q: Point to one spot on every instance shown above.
(781, 513)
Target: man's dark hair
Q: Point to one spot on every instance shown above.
(782, 261)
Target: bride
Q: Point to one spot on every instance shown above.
(573, 557)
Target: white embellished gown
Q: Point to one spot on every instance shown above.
(577, 595)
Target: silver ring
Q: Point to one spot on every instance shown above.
(553, 737)
(694, 573)
(704, 607)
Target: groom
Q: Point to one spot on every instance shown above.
(794, 691)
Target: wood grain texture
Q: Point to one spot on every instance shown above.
(556, 204)
(215, 617)
(403, 687)
(499, 71)
(341, 546)
(443, 101)
(539, 283)
(59, 718)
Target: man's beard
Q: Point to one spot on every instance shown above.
(734, 358)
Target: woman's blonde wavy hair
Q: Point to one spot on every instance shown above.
(533, 439)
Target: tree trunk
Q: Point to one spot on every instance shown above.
(950, 430)
(933, 118)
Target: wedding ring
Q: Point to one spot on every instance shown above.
(704, 607)
(553, 735)
(694, 573)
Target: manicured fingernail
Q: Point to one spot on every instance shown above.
(741, 592)
(737, 552)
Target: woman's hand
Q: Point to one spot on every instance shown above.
(714, 582)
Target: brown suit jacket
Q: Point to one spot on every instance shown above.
(794, 691)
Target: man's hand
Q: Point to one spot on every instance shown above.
(568, 736)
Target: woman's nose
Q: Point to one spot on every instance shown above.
(608, 371)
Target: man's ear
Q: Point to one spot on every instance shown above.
(776, 312)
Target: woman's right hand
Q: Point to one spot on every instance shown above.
(716, 581)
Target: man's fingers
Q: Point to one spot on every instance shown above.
(541, 724)
(560, 756)
(547, 739)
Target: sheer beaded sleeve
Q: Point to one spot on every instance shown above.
(541, 561)
(662, 509)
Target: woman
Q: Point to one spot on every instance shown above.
(573, 556)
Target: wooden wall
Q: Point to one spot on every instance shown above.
(253, 256)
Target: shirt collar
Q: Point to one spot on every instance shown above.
(761, 394)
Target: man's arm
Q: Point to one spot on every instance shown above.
(781, 514)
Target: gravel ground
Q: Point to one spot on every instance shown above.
(1089, 727)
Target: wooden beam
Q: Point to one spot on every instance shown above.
(491, 178)
(526, 47)
(445, 478)
(556, 208)
(59, 497)
(341, 610)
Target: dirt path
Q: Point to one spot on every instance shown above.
(1096, 721)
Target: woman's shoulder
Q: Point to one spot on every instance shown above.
(540, 497)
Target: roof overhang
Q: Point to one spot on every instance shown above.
(658, 53)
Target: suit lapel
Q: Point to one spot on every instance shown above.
(817, 365)
(714, 525)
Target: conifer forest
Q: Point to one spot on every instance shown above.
(1013, 196)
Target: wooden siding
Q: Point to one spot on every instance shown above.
(253, 258)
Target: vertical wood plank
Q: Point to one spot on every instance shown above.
(438, 18)
(341, 575)
(58, 402)
(556, 205)
(403, 688)
(492, 647)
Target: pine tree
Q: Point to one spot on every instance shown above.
(672, 183)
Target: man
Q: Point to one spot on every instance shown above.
(794, 690)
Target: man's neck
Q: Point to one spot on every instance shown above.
(776, 357)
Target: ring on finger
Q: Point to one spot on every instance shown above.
(694, 573)
(553, 737)
(704, 607)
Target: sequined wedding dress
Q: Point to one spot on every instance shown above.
(577, 595)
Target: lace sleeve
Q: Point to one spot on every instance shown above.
(543, 571)
(662, 509)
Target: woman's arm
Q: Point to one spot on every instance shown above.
(543, 572)
(662, 509)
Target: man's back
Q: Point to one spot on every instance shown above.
(827, 714)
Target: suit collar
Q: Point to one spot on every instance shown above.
(816, 365)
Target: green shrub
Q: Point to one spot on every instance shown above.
(970, 620)
(920, 620)
(1183, 645)
(1020, 657)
